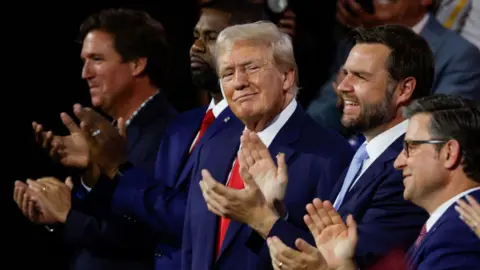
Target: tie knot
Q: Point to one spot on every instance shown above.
(361, 153)
(208, 118)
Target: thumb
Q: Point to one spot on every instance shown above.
(122, 127)
(305, 247)
(282, 174)
(352, 230)
(69, 182)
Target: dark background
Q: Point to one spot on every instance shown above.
(41, 78)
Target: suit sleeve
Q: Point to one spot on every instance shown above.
(385, 215)
(456, 248)
(462, 75)
(160, 207)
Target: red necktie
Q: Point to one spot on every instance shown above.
(235, 182)
(206, 122)
(422, 234)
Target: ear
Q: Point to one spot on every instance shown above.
(288, 79)
(138, 66)
(407, 86)
(452, 154)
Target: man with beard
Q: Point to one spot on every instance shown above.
(388, 67)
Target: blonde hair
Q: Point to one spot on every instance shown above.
(260, 33)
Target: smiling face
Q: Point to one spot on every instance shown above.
(366, 89)
(423, 170)
(253, 85)
(106, 74)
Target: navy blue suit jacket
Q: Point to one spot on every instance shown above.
(160, 201)
(103, 240)
(386, 221)
(449, 244)
(315, 157)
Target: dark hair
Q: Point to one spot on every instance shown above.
(453, 118)
(410, 54)
(241, 11)
(135, 34)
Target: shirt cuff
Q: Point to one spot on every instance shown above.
(85, 186)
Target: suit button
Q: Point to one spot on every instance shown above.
(158, 254)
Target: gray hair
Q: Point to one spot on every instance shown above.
(264, 33)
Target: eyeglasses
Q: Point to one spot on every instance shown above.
(407, 144)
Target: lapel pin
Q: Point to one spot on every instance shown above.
(226, 119)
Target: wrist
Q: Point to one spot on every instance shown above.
(264, 221)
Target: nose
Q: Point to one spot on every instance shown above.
(86, 71)
(400, 161)
(345, 85)
(198, 46)
(240, 80)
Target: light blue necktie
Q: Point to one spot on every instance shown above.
(353, 171)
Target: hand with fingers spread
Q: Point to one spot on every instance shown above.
(306, 257)
(334, 239)
(51, 199)
(469, 211)
(247, 205)
(72, 150)
(256, 162)
(351, 14)
(108, 145)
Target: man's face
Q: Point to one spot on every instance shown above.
(422, 168)
(106, 74)
(210, 24)
(252, 84)
(366, 90)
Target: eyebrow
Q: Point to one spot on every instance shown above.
(244, 63)
(358, 72)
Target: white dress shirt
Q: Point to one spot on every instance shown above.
(437, 214)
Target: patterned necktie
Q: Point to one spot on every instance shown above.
(206, 122)
(235, 182)
(420, 237)
(353, 171)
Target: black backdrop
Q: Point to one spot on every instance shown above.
(41, 78)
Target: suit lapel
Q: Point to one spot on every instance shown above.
(288, 134)
(432, 32)
(224, 120)
(375, 169)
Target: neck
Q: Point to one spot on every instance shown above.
(456, 185)
(258, 124)
(372, 133)
(131, 103)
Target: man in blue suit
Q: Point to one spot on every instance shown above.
(456, 60)
(258, 74)
(439, 165)
(374, 90)
(124, 54)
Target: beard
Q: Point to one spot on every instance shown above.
(206, 78)
(373, 115)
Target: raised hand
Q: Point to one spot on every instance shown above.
(256, 162)
(469, 211)
(52, 199)
(306, 257)
(71, 151)
(108, 145)
(351, 14)
(335, 240)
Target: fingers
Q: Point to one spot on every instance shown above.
(214, 199)
(303, 246)
(280, 253)
(474, 204)
(332, 213)
(69, 123)
(344, 16)
(69, 182)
